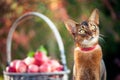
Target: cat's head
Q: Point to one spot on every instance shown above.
(85, 33)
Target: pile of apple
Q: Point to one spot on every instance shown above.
(40, 62)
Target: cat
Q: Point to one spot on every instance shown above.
(88, 62)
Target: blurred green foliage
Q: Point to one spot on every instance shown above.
(34, 32)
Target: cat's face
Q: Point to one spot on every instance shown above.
(86, 33)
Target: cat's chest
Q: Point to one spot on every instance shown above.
(86, 71)
(86, 57)
(87, 64)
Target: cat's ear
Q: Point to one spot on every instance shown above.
(94, 16)
(71, 26)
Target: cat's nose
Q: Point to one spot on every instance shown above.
(89, 33)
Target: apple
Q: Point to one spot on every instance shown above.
(38, 63)
(45, 67)
(10, 69)
(29, 60)
(59, 68)
(13, 63)
(55, 65)
(21, 66)
(51, 66)
(32, 68)
(40, 58)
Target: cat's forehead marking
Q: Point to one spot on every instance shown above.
(85, 23)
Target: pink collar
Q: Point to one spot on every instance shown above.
(88, 48)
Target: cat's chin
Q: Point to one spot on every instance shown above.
(89, 43)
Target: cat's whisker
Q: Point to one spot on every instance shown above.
(101, 35)
(101, 38)
(102, 41)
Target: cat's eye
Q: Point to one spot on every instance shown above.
(81, 32)
(93, 27)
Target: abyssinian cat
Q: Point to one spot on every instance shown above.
(88, 63)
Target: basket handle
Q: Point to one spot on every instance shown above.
(52, 27)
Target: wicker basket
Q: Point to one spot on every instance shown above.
(63, 75)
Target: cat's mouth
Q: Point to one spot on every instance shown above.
(90, 41)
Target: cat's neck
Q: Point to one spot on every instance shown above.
(87, 63)
(88, 48)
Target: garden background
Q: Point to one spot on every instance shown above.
(33, 32)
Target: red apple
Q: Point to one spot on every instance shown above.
(10, 69)
(29, 60)
(45, 67)
(59, 68)
(32, 68)
(55, 65)
(40, 58)
(21, 66)
(13, 63)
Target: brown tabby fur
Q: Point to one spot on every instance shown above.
(88, 65)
